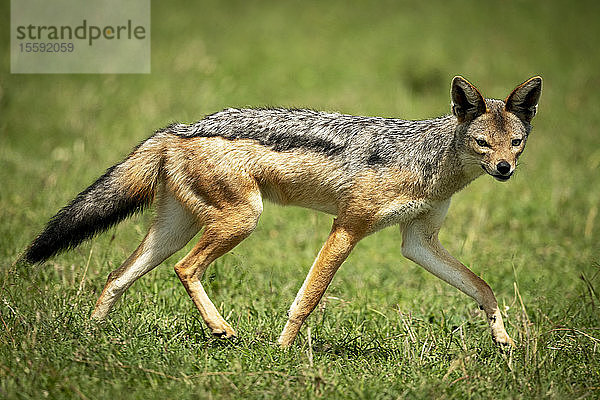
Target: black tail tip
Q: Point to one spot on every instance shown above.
(35, 254)
(29, 260)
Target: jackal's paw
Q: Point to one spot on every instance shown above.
(98, 317)
(502, 339)
(225, 332)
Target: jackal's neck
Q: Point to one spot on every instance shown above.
(454, 172)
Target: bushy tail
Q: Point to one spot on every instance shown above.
(124, 189)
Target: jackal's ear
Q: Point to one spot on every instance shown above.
(524, 99)
(467, 102)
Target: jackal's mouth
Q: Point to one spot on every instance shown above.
(502, 178)
(497, 176)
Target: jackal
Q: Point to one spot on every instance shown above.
(369, 172)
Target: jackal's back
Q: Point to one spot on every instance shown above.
(356, 141)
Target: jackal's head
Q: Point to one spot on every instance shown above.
(491, 134)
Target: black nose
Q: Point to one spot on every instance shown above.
(503, 167)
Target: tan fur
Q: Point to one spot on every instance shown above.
(135, 174)
(224, 170)
(377, 197)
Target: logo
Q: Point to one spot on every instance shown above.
(70, 36)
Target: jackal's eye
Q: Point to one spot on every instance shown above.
(516, 142)
(482, 143)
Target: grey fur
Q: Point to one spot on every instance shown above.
(357, 142)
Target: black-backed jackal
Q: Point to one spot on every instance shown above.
(369, 172)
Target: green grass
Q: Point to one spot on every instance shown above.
(386, 329)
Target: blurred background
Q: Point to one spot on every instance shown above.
(537, 233)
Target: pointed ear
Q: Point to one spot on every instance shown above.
(467, 102)
(524, 99)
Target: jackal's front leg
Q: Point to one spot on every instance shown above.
(420, 244)
(335, 250)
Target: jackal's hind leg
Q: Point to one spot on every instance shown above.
(227, 230)
(172, 228)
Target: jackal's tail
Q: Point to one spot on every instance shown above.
(124, 189)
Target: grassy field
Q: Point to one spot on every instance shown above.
(386, 329)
